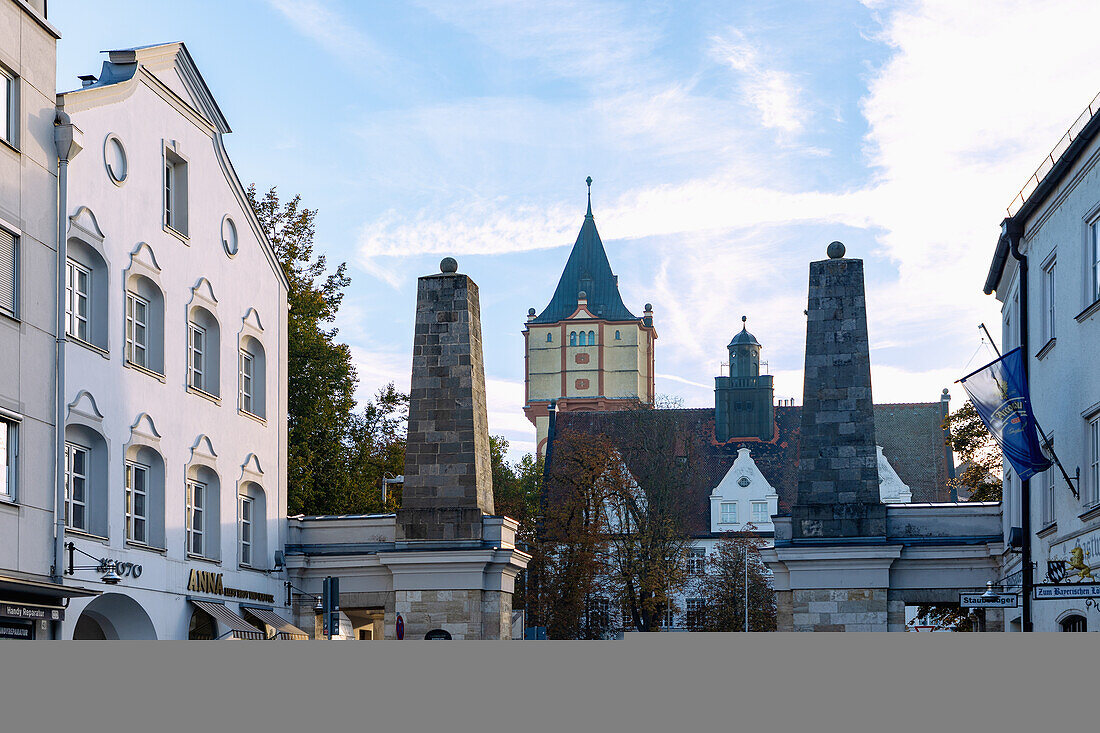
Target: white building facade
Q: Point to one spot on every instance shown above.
(1055, 225)
(175, 387)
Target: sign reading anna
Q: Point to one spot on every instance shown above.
(204, 581)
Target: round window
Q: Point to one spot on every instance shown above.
(743, 481)
(229, 236)
(114, 156)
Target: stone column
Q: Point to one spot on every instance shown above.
(838, 491)
(448, 477)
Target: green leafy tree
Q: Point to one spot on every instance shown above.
(979, 479)
(321, 377)
(722, 586)
(377, 435)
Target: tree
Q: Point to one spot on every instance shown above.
(321, 377)
(722, 586)
(377, 434)
(980, 454)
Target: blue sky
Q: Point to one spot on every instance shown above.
(729, 143)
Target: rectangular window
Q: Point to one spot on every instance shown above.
(196, 362)
(7, 106)
(137, 502)
(600, 614)
(760, 513)
(1048, 302)
(245, 363)
(1048, 488)
(7, 459)
(78, 283)
(694, 610)
(137, 329)
(9, 272)
(196, 516)
(246, 531)
(1094, 460)
(729, 512)
(1093, 262)
(696, 560)
(76, 487)
(175, 192)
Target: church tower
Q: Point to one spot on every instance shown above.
(743, 406)
(586, 351)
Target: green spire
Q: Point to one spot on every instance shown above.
(589, 182)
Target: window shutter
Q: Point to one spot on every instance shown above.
(8, 261)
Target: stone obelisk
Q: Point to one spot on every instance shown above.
(838, 483)
(448, 476)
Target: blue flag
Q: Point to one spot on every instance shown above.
(999, 394)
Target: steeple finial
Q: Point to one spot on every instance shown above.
(744, 321)
(589, 182)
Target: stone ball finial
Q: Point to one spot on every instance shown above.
(530, 311)
(582, 295)
(448, 265)
(835, 250)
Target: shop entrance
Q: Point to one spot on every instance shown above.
(114, 616)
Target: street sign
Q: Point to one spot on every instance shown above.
(1066, 591)
(980, 600)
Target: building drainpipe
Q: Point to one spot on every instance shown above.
(68, 139)
(1014, 233)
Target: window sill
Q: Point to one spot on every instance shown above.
(177, 234)
(253, 568)
(9, 144)
(149, 548)
(1090, 512)
(206, 395)
(69, 338)
(86, 535)
(252, 415)
(212, 561)
(1047, 530)
(147, 372)
(10, 316)
(9, 503)
(1046, 348)
(1088, 312)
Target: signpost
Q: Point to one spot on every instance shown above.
(984, 600)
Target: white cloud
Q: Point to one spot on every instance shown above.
(333, 32)
(774, 93)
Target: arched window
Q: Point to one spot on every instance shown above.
(1074, 623)
(572, 338)
(86, 294)
(144, 496)
(251, 377)
(549, 338)
(203, 344)
(591, 338)
(202, 519)
(618, 336)
(252, 526)
(85, 480)
(144, 324)
(582, 340)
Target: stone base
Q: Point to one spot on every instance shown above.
(465, 614)
(439, 523)
(848, 609)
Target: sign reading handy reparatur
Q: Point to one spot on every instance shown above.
(204, 581)
(980, 600)
(1066, 591)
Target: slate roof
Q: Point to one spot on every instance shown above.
(587, 269)
(910, 436)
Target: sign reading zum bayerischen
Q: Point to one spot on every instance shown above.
(980, 600)
(1066, 591)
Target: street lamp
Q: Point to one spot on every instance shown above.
(989, 592)
(105, 566)
(387, 479)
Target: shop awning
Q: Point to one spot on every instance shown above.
(10, 585)
(286, 630)
(240, 628)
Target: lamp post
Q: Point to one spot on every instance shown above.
(387, 479)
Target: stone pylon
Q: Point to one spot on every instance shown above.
(448, 476)
(838, 483)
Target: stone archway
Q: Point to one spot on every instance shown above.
(114, 616)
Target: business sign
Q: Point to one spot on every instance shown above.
(1059, 592)
(15, 630)
(979, 600)
(205, 581)
(31, 613)
(1070, 560)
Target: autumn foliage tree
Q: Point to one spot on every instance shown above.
(722, 586)
(979, 479)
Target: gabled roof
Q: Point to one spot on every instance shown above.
(587, 270)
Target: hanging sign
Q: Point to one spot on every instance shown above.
(1060, 591)
(980, 600)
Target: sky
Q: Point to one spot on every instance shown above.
(729, 142)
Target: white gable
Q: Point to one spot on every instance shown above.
(742, 485)
(891, 489)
